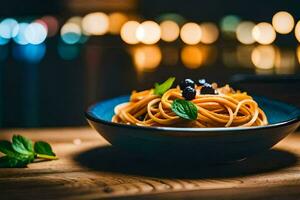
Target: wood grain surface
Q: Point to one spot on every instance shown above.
(89, 168)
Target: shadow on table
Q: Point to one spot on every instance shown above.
(110, 159)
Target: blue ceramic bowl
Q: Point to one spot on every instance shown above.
(208, 145)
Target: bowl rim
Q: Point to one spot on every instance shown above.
(183, 129)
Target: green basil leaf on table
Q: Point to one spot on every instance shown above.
(22, 145)
(21, 152)
(185, 109)
(43, 148)
(11, 162)
(13, 158)
(6, 148)
(160, 89)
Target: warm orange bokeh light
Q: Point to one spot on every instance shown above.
(285, 61)
(243, 55)
(116, 21)
(128, 32)
(264, 33)
(298, 54)
(283, 22)
(169, 30)
(244, 32)
(95, 23)
(76, 20)
(191, 33)
(146, 58)
(297, 31)
(148, 32)
(192, 56)
(210, 33)
(263, 56)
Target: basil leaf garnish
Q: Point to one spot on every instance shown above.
(160, 89)
(185, 109)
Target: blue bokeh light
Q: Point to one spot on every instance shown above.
(35, 33)
(19, 32)
(67, 51)
(71, 38)
(83, 39)
(3, 41)
(6, 28)
(29, 53)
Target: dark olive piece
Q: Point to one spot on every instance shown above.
(186, 82)
(207, 89)
(189, 93)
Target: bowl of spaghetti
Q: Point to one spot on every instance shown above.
(202, 122)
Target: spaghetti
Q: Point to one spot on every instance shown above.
(227, 108)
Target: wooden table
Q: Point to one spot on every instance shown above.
(89, 168)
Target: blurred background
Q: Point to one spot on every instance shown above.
(58, 57)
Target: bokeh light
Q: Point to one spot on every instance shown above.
(6, 28)
(83, 39)
(95, 23)
(148, 32)
(128, 32)
(283, 22)
(29, 53)
(70, 33)
(146, 58)
(243, 54)
(229, 24)
(285, 61)
(264, 33)
(169, 30)
(83, 35)
(298, 53)
(41, 22)
(192, 56)
(52, 24)
(297, 31)
(76, 20)
(3, 41)
(210, 54)
(67, 51)
(19, 32)
(35, 33)
(263, 57)
(244, 32)
(210, 33)
(191, 33)
(116, 21)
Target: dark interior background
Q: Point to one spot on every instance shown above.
(58, 81)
